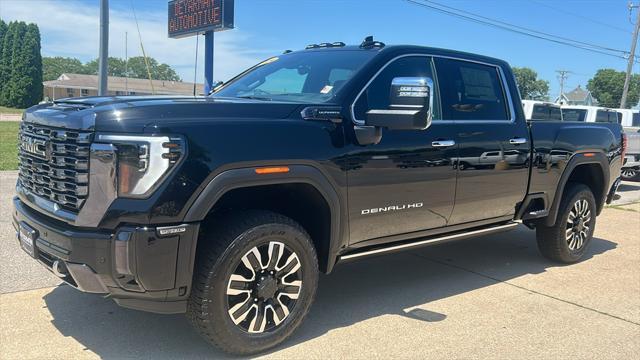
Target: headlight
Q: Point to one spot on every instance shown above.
(143, 161)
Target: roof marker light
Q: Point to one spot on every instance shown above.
(272, 170)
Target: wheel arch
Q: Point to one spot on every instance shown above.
(588, 168)
(304, 183)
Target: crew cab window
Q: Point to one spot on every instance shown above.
(311, 76)
(470, 91)
(376, 95)
(574, 114)
(607, 116)
(635, 120)
(544, 112)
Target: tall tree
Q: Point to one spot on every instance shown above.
(3, 30)
(53, 67)
(607, 85)
(6, 54)
(529, 85)
(14, 64)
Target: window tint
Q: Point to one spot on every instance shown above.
(636, 119)
(574, 114)
(606, 116)
(543, 112)
(376, 95)
(470, 91)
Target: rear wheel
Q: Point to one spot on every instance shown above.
(256, 279)
(630, 174)
(567, 240)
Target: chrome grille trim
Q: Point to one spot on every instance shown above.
(62, 176)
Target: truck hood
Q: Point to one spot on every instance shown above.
(141, 113)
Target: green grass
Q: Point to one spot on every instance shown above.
(7, 110)
(9, 145)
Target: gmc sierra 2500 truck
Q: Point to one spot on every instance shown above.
(227, 207)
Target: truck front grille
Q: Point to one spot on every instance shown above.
(54, 164)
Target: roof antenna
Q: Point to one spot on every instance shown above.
(368, 43)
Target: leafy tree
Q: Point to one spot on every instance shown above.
(12, 63)
(24, 85)
(138, 69)
(116, 67)
(607, 85)
(529, 85)
(53, 67)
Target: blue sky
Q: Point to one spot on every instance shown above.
(264, 28)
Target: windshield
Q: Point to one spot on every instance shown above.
(308, 76)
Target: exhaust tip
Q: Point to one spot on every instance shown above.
(59, 268)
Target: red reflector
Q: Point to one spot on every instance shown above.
(272, 170)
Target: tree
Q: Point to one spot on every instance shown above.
(23, 87)
(53, 67)
(138, 69)
(6, 46)
(116, 67)
(12, 62)
(607, 85)
(529, 85)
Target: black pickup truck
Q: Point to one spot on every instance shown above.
(227, 207)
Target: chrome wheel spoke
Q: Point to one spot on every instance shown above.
(259, 321)
(292, 265)
(291, 290)
(276, 249)
(252, 260)
(238, 285)
(241, 310)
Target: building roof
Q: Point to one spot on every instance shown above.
(116, 83)
(577, 94)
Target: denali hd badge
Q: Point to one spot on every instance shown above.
(391, 208)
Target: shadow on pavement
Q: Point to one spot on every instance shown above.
(402, 284)
(628, 186)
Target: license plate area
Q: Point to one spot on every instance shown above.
(28, 236)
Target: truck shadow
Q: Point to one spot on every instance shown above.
(400, 284)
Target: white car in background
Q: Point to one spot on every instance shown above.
(535, 110)
(630, 117)
(590, 114)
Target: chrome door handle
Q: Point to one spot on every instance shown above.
(443, 143)
(518, 141)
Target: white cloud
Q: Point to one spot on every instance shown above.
(71, 28)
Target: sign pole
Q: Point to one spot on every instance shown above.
(208, 61)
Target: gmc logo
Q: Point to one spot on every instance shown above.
(34, 146)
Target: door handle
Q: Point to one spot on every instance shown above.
(518, 141)
(443, 143)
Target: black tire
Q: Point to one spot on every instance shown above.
(630, 175)
(556, 242)
(225, 245)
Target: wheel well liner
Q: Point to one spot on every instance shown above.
(593, 171)
(302, 180)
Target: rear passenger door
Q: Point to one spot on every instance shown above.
(493, 143)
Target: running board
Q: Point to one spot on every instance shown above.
(406, 246)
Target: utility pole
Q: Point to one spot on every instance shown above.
(634, 41)
(103, 53)
(562, 76)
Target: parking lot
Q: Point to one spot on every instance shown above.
(491, 297)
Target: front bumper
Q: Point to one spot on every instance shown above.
(140, 267)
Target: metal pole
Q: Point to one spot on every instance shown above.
(103, 66)
(208, 61)
(627, 78)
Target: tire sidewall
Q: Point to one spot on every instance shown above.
(218, 279)
(580, 192)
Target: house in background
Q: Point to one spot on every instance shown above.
(76, 85)
(577, 96)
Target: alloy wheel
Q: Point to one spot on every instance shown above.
(629, 173)
(264, 287)
(578, 225)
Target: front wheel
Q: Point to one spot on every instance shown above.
(256, 279)
(567, 240)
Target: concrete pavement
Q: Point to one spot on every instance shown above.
(491, 297)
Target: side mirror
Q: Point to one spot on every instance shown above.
(410, 105)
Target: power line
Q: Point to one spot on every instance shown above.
(542, 3)
(520, 30)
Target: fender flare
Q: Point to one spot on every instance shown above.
(246, 177)
(577, 160)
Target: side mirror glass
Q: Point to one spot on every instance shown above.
(410, 105)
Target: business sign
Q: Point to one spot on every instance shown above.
(192, 17)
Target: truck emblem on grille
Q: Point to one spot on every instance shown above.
(34, 146)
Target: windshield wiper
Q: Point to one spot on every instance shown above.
(254, 97)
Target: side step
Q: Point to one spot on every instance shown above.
(411, 245)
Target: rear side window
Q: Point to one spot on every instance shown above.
(470, 91)
(607, 116)
(574, 114)
(636, 120)
(546, 113)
